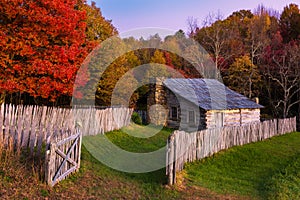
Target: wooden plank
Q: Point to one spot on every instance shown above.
(65, 140)
(19, 130)
(27, 120)
(63, 176)
(12, 125)
(50, 165)
(2, 127)
(63, 155)
(6, 126)
(42, 132)
(79, 149)
(49, 128)
(33, 132)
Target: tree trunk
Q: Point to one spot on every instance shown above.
(2, 97)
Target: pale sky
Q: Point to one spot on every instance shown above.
(173, 14)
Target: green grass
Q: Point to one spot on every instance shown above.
(146, 185)
(140, 139)
(285, 185)
(249, 170)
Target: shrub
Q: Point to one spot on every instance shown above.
(136, 118)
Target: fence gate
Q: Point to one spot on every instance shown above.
(63, 156)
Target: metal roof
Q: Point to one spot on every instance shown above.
(209, 94)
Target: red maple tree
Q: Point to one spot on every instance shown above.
(42, 45)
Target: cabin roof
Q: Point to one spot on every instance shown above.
(209, 94)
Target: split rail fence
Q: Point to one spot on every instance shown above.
(185, 147)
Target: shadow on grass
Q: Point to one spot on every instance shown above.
(151, 139)
(91, 163)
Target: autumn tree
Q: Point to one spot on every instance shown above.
(290, 23)
(238, 22)
(42, 45)
(98, 28)
(107, 65)
(244, 77)
(257, 34)
(216, 37)
(282, 71)
(257, 53)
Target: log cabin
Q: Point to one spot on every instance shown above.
(197, 104)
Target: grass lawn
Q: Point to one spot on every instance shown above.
(254, 170)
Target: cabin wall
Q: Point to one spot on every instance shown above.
(250, 115)
(234, 117)
(182, 121)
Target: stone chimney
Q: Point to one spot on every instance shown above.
(157, 110)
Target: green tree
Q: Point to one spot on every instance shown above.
(107, 64)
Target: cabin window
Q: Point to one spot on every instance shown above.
(191, 117)
(174, 113)
(219, 119)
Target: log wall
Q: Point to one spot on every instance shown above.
(234, 117)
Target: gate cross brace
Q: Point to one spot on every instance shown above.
(59, 152)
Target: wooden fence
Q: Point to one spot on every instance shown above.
(24, 127)
(32, 126)
(95, 121)
(57, 130)
(185, 147)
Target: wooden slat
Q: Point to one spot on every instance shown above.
(33, 132)
(19, 128)
(28, 117)
(1, 127)
(41, 130)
